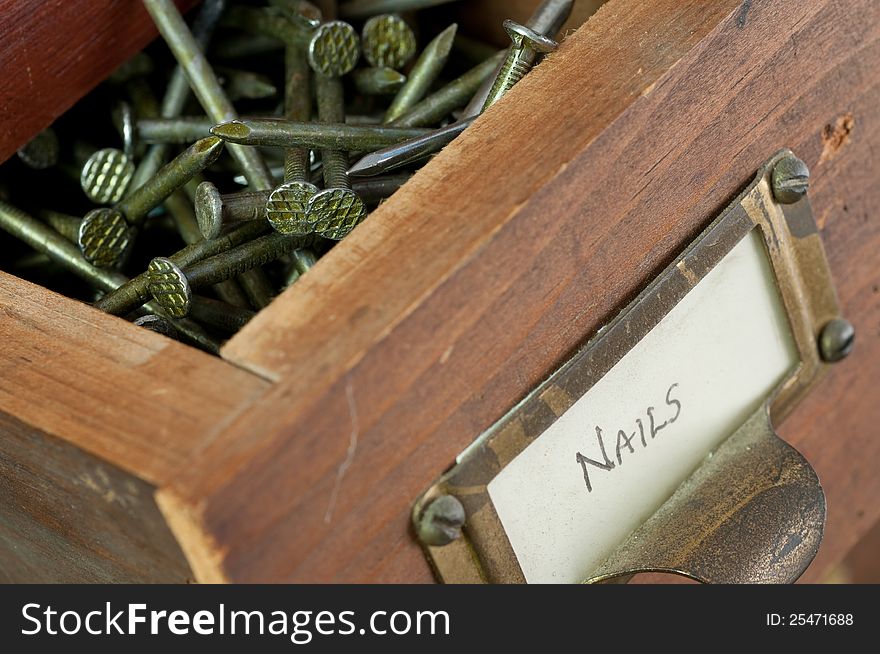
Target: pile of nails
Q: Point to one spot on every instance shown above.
(330, 118)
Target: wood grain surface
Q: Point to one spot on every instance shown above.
(299, 458)
(137, 400)
(53, 52)
(511, 248)
(70, 517)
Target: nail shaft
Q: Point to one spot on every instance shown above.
(204, 83)
(321, 136)
(423, 74)
(454, 95)
(378, 81)
(408, 152)
(135, 292)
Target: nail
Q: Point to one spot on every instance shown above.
(245, 46)
(286, 207)
(106, 175)
(219, 315)
(43, 239)
(64, 224)
(185, 331)
(303, 14)
(135, 292)
(184, 217)
(388, 42)
(204, 83)
(301, 261)
(245, 85)
(333, 52)
(409, 151)
(454, 95)
(171, 286)
(214, 211)
(472, 50)
(178, 92)
(174, 131)
(268, 23)
(319, 136)
(106, 234)
(41, 152)
(364, 8)
(378, 81)
(423, 74)
(527, 45)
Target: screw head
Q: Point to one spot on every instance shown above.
(837, 340)
(334, 212)
(524, 37)
(288, 208)
(791, 180)
(169, 287)
(106, 176)
(104, 237)
(334, 49)
(441, 521)
(388, 41)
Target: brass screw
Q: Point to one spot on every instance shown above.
(837, 340)
(106, 234)
(423, 74)
(548, 18)
(333, 52)
(204, 83)
(388, 41)
(527, 45)
(172, 286)
(441, 521)
(106, 176)
(791, 180)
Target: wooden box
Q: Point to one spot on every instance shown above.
(125, 456)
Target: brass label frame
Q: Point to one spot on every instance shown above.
(754, 480)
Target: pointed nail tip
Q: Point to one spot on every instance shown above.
(363, 169)
(445, 40)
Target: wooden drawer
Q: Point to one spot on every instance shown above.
(126, 456)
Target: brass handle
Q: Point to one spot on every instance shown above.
(752, 513)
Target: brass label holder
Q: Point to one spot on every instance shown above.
(752, 512)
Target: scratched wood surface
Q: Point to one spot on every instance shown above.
(511, 248)
(53, 52)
